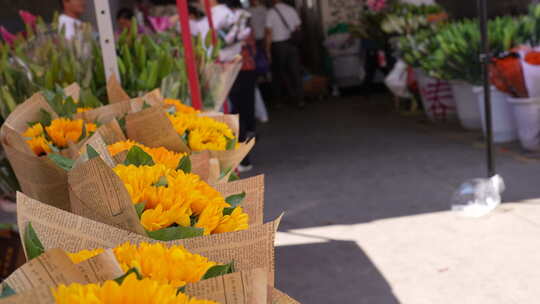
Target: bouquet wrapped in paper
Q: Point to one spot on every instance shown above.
(155, 122)
(33, 135)
(121, 275)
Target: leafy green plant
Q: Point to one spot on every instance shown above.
(457, 56)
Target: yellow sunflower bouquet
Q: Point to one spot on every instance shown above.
(172, 265)
(38, 131)
(130, 290)
(52, 135)
(156, 192)
(177, 200)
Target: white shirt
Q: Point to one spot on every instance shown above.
(258, 20)
(71, 25)
(222, 17)
(280, 32)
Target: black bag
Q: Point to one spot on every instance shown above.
(296, 34)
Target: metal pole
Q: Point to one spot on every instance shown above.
(485, 59)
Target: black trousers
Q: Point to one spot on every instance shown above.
(286, 71)
(242, 97)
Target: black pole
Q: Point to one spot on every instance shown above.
(485, 59)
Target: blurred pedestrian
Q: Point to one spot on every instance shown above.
(282, 25)
(124, 17)
(242, 94)
(70, 19)
(258, 21)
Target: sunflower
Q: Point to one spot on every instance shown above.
(64, 130)
(34, 131)
(39, 145)
(173, 265)
(201, 132)
(131, 290)
(236, 221)
(83, 109)
(180, 107)
(173, 197)
(160, 155)
(84, 255)
(91, 128)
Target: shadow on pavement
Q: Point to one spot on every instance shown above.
(331, 272)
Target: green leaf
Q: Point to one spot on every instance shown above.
(45, 118)
(122, 123)
(33, 245)
(146, 105)
(219, 270)
(181, 290)
(91, 152)
(224, 173)
(83, 133)
(137, 157)
(185, 164)
(134, 270)
(231, 143)
(162, 182)
(233, 177)
(7, 291)
(140, 208)
(175, 233)
(62, 162)
(236, 199)
(228, 211)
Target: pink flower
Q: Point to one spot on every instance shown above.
(160, 24)
(376, 5)
(8, 37)
(28, 18)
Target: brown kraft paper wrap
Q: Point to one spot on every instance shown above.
(237, 288)
(248, 287)
(115, 91)
(253, 204)
(73, 91)
(152, 128)
(278, 297)
(106, 113)
(97, 193)
(39, 177)
(249, 249)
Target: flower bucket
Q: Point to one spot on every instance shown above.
(504, 126)
(467, 106)
(527, 116)
(436, 97)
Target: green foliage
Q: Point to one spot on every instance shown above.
(32, 244)
(175, 233)
(137, 157)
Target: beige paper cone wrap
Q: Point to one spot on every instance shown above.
(115, 92)
(249, 249)
(152, 128)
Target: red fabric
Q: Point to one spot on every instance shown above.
(506, 75)
(248, 54)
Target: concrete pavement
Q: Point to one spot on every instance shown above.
(366, 194)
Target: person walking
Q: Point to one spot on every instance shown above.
(242, 94)
(282, 24)
(70, 19)
(258, 21)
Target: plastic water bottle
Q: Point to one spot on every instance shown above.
(478, 197)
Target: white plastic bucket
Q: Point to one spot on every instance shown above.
(436, 97)
(504, 126)
(527, 116)
(467, 105)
